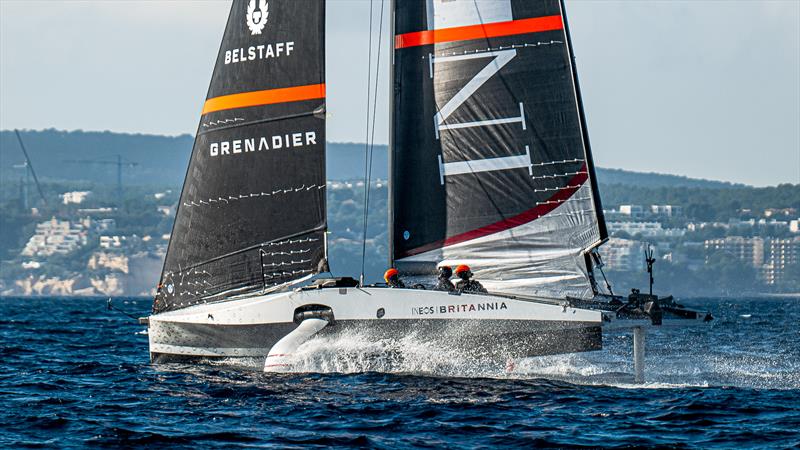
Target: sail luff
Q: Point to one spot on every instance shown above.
(598, 204)
(390, 150)
(189, 165)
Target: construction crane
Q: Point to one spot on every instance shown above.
(120, 163)
(29, 172)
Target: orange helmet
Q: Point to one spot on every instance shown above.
(389, 274)
(462, 271)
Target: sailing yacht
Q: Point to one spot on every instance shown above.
(490, 166)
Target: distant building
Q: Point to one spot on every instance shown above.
(94, 211)
(777, 225)
(635, 211)
(105, 225)
(58, 237)
(645, 229)
(785, 212)
(741, 225)
(76, 197)
(109, 242)
(780, 256)
(666, 210)
(749, 250)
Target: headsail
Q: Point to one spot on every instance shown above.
(252, 211)
(491, 163)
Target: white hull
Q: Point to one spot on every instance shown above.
(484, 325)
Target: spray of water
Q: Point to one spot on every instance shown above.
(668, 365)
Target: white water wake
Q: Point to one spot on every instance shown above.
(667, 366)
(358, 351)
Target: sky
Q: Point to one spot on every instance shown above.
(701, 88)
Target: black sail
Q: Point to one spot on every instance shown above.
(252, 211)
(491, 164)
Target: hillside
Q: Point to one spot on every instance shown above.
(154, 184)
(162, 160)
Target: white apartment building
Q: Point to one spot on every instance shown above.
(666, 210)
(747, 249)
(631, 210)
(74, 197)
(109, 242)
(780, 257)
(58, 237)
(645, 229)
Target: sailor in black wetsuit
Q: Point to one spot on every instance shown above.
(443, 282)
(392, 278)
(467, 285)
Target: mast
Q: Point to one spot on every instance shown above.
(29, 171)
(390, 147)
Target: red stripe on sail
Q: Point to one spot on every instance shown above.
(480, 31)
(522, 218)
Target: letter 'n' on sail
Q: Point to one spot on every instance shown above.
(251, 215)
(491, 164)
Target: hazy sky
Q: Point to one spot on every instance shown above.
(706, 89)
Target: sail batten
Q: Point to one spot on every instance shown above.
(251, 215)
(490, 159)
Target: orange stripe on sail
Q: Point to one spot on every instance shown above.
(480, 31)
(266, 97)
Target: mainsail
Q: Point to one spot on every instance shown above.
(491, 164)
(252, 214)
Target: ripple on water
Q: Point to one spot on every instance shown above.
(76, 374)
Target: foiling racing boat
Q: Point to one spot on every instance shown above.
(490, 166)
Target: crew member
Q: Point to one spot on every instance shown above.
(443, 282)
(467, 285)
(392, 278)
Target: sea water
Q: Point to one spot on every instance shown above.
(73, 374)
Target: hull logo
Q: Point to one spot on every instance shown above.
(257, 17)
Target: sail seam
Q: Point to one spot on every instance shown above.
(230, 198)
(260, 121)
(499, 48)
(287, 239)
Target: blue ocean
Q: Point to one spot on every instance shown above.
(75, 374)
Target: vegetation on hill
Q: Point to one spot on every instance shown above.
(161, 167)
(162, 160)
(706, 204)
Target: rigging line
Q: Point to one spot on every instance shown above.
(602, 272)
(366, 146)
(371, 141)
(372, 137)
